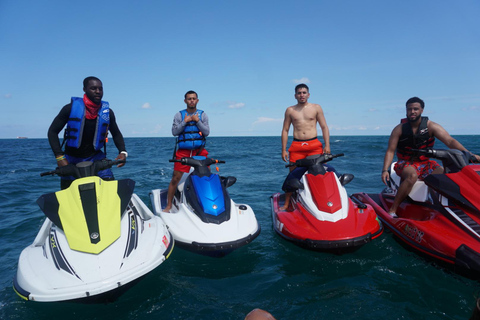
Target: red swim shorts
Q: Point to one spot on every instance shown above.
(300, 149)
(423, 168)
(183, 153)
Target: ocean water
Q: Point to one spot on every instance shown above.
(381, 280)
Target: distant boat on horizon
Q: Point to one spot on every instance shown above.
(22, 138)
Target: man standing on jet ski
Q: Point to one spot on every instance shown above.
(88, 121)
(304, 117)
(191, 127)
(414, 132)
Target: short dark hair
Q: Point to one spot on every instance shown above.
(87, 80)
(415, 99)
(190, 92)
(301, 85)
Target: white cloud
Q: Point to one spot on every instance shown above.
(472, 108)
(266, 120)
(146, 106)
(350, 128)
(156, 129)
(372, 110)
(302, 80)
(7, 96)
(236, 105)
(148, 130)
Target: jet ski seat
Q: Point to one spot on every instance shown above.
(419, 191)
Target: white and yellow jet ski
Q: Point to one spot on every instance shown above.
(98, 239)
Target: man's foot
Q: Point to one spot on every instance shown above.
(393, 215)
(285, 208)
(167, 209)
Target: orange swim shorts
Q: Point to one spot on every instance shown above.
(300, 149)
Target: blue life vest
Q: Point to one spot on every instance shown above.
(191, 137)
(76, 121)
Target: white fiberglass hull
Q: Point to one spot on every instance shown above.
(48, 270)
(212, 239)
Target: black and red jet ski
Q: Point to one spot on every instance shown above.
(441, 215)
(321, 216)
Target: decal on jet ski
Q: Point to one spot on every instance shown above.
(89, 212)
(88, 198)
(53, 242)
(165, 241)
(59, 259)
(132, 240)
(279, 225)
(133, 224)
(413, 232)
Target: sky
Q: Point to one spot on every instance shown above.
(361, 59)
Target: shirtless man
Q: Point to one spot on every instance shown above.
(304, 117)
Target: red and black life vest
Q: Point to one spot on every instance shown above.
(408, 140)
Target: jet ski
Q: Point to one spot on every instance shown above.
(204, 219)
(97, 240)
(441, 215)
(321, 216)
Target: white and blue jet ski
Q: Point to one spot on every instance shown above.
(98, 239)
(204, 219)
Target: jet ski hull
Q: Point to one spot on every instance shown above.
(422, 227)
(48, 270)
(299, 226)
(211, 239)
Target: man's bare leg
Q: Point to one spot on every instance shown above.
(288, 195)
(409, 177)
(172, 187)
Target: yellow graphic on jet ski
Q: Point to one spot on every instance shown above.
(89, 213)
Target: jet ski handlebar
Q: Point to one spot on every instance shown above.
(189, 161)
(314, 159)
(83, 169)
(443, 154)
(453, 160)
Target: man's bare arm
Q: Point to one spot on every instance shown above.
(287, 121)
(325, 131)
(392, 146)
(439, 132)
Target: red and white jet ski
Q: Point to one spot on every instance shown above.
(441, 215)
(321, 216)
